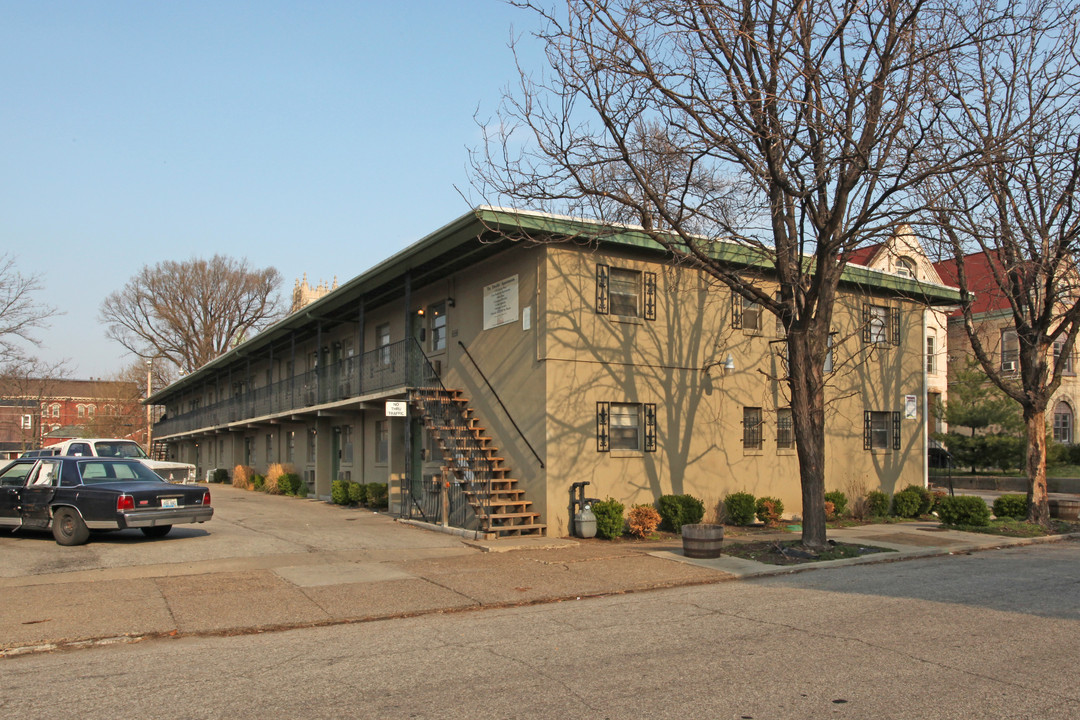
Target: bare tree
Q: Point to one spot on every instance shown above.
(191, 312)
(791, 129)
(1012, 224)
(118, 399)
(20, 314)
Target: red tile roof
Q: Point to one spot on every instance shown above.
(980, 281)
(863, 255)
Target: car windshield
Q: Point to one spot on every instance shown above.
(104, 471)
(119, 449)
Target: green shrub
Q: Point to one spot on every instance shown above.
(1013, 505)
(678, 510)
(258, 482)
(1073, 456)
(877, 503)
(301, 489)
(1056, 453)
(377, 495)
(926, 498)
(905, 504)
(739, 508)
(839, 501)
(769, 510)
(964, 510)
(221, 475)
(1003, 451)
(357, 492)
(295, 483)
(339, 492)
(609, 518)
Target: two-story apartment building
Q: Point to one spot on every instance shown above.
(511, 354)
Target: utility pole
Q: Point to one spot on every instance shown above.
(149, 375)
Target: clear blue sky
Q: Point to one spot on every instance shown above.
(315, 137)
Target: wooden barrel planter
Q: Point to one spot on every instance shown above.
(1068, 510)
(702, 540)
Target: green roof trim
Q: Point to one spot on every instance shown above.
(470, 228)
(722, 251)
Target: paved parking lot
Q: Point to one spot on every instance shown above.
(250, 529)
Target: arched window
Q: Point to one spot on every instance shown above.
(1063, 423)
(905, 267)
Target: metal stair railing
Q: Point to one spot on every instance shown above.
(465, 457)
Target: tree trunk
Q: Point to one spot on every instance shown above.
(806, 381)
(1038, 506)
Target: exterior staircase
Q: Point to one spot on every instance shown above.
(472, 460)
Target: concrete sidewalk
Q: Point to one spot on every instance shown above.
(273, 592)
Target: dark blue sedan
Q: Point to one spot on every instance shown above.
(74, 495)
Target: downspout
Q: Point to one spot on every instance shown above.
(407, 477)
(926, 409)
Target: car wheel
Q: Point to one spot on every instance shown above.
(156, 531)
(68, 527)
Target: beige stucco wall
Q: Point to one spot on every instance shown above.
(675, 362)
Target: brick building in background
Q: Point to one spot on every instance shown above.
(36, 412)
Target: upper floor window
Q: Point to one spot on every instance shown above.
(1010, 350)
(905, 267)
(1066, 361)
(625, 293)
(931, 354)
(382, 341)
(437, 326)
(55, 409)
(745, 313)
(881, 325)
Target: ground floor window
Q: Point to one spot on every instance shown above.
(881, 430)
(1063, 423)
(751, 428)
(785, 429)
(625, 426)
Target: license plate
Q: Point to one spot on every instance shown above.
(168, 502)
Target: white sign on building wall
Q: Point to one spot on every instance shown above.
(501, 303)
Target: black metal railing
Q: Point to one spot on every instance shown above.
(385, 368)
(499, 400)
(468, 463)
(427, 501)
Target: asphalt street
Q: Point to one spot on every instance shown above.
(992, 634)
